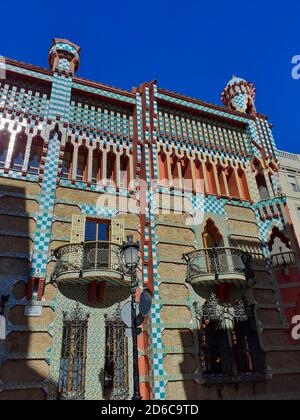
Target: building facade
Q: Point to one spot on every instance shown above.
(289, 178)
(82, 166)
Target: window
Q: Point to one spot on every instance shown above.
(262, 186)
(73, 355)
(67, 160)
(124, 171)
(116, 358)
(110, 168)
(232, 183)
(174, 169)
(293, 183)
(18, 156)
(4, 143)
(97, 166)
(82, 160)
(36, 151)
(97, 248)
(163, 166)
(230, 350)
(96, 230)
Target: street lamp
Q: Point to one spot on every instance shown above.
(130, 253)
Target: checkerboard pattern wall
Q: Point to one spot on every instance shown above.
(157, 392)
(60, 97)
(45, 215)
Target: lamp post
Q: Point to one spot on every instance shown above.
(130, 255)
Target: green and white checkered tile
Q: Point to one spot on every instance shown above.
(45, 214)
(201, 107)
(18, 175)
(93, 211)
(104, 93)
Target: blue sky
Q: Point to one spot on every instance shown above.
(190, 46)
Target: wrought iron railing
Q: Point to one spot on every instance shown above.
(88, 256)
(283, 259)
(218, 261)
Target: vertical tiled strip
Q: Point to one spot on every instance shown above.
(60, 97)
(45, 215)
(158, 393)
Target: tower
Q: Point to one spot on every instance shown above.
(239, 96)
(64, 55)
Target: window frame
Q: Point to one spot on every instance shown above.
(72, 366)
(116, 345)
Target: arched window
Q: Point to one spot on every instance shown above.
(272, 183)
(124, 168)
(186, 173)
(97, 166)
(174, 169)
(274, 179)
(211, 178)
(279, 242)
(67, 160)
(200, 183)
(163, 166)
(280, 248)
(4, 144)
(36, 151)
(262, 186)
(110, 168)
(261, 181)
(82, 163)
(220, 171)
(232, 183)
(212, 237)
(244, 184)
(18, 155)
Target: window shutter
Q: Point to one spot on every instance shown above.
(78, 228)
(117, 232)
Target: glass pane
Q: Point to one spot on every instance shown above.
(90, 230)
(3, 154)
(103, 232)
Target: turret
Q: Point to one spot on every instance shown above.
(64, 56)
(239, 96)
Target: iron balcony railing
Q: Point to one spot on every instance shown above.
(88, 257)
(283, 259)
(208, 262)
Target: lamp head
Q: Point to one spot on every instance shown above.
(130, 252)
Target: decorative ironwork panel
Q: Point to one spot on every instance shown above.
(116, 359)
(230, 349)
(73, 355)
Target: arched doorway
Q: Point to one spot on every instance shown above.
(280, 248)
(212, 238)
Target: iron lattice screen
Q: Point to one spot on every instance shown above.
(73, 355)
(116, 359)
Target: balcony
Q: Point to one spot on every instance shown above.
(283, 259)
(211, 266)
(89, 262)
